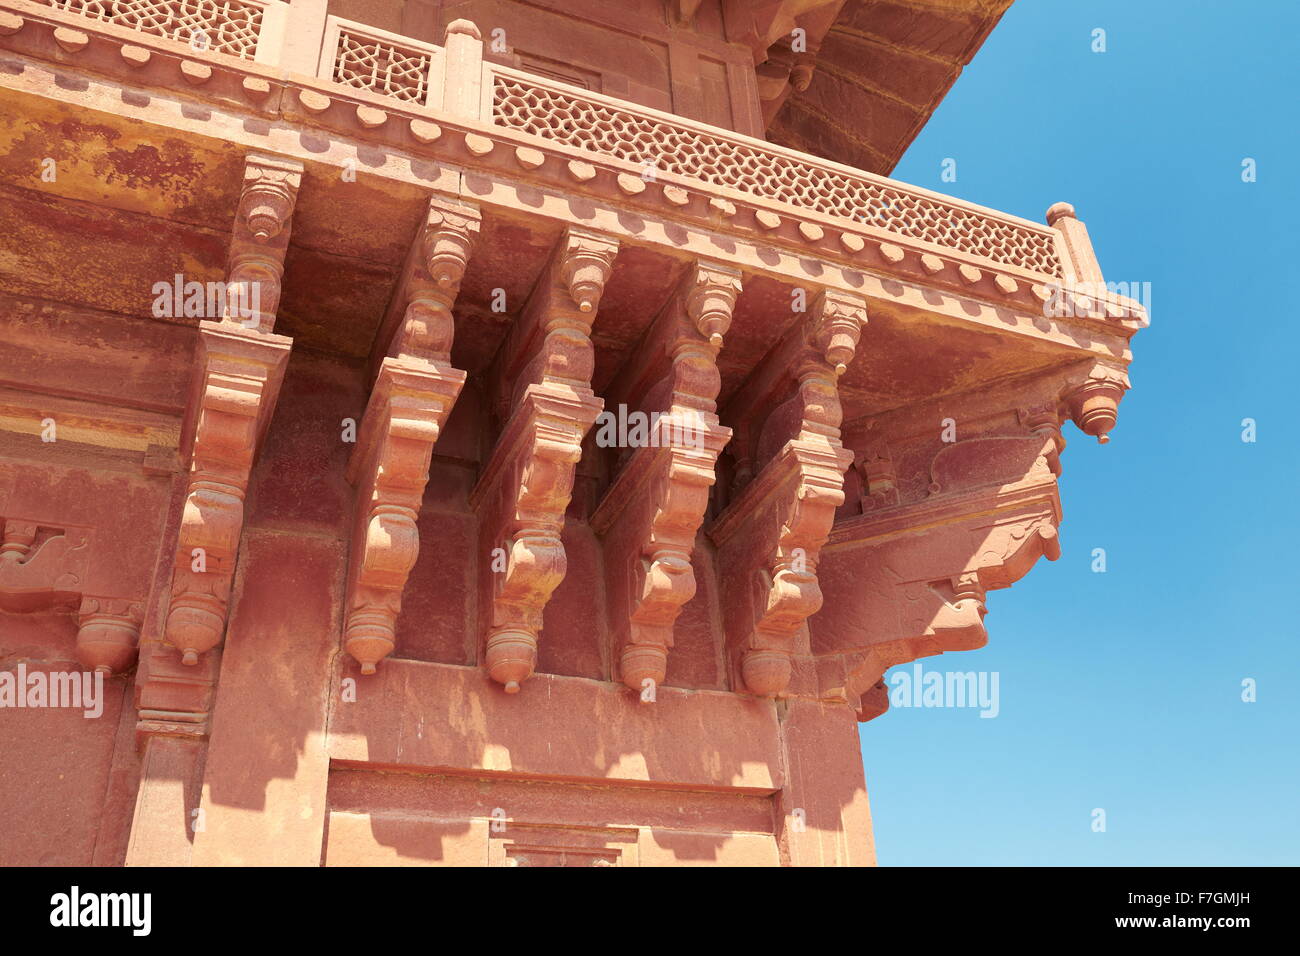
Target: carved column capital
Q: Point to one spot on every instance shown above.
(839, 318)
(450, 232)
(711, 298)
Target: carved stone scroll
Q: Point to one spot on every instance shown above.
(414, 392)
(237, 380)
(522, 495)
(772, 533)
(650, 515)
(45, 567)
(41, 566)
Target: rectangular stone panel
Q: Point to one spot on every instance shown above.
(421, 716)
(407, 819)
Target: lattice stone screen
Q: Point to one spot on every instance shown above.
(223, 26)
(589, 125)
(385, 67)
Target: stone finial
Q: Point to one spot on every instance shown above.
(586, 264)
(839, 327)
(464, 28)
(1094, 405)
(711, 300)
(1058, 211)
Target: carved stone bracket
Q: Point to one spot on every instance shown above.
(900, 596)
(261, 238)
(1093, 404)
(524, 491)
(772, 534)
(44, 567)
(41, 566)
(108, 632)
(651, 513)
(414, 392)
(237, 380)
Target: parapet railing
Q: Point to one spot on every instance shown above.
(662, 142)
(233, 27)
(397, 67)
(455, 80)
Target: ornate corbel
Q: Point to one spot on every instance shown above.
(237, 380)
(41, 566)
(991, 513)
(44, 567)
(108, 630)
(1094, 404)
(651, 513)
(524, 491)
(415, 389)
(777, 526)
(260, 241)
(1044, 420)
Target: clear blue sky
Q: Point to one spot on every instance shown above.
(1122, 690)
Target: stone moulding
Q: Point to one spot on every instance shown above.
(239, 369)
(523, 493)
(414, 391)
(770, 536)
(650, 515)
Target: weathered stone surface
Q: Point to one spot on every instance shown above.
(384, 536)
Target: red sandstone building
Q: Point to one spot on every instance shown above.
(312, 315)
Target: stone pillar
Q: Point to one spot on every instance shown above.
(463, 82)
(823, 815)
(1079, 260)
(301, 37)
